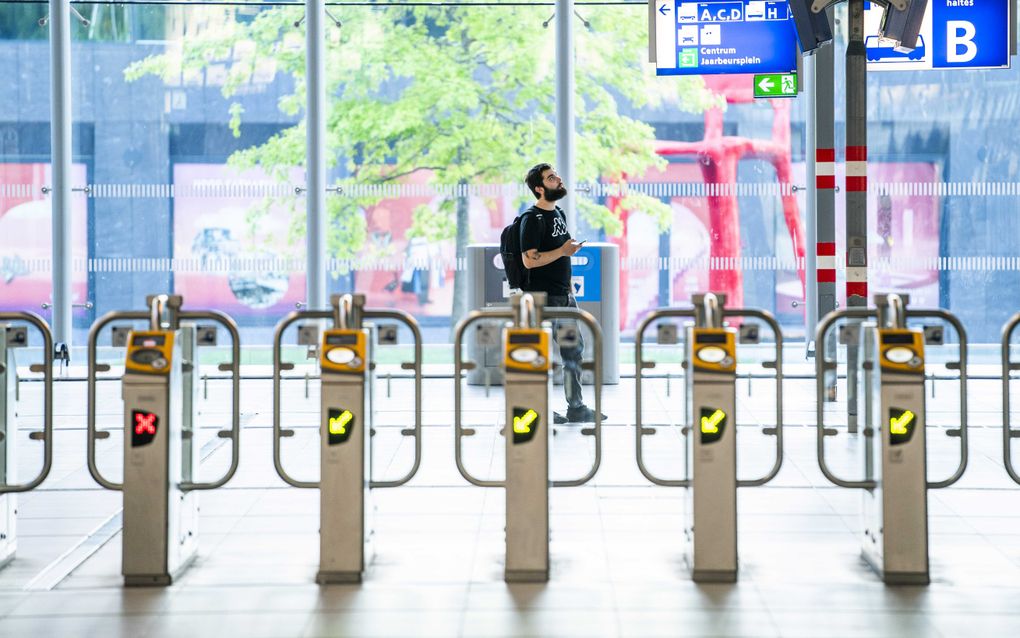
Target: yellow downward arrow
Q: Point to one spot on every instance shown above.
(522, 424)
(898, 425)
(338, 425)
(710, 424)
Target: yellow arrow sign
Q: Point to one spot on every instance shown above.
(710, 424)
(898, 425)
(338, 424)
(522, 424)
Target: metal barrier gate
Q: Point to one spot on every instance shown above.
(347, 365)
(527, 369)
(11, 337)
(160, 534)
(710, 360)
(896, 486)
(1008, 366)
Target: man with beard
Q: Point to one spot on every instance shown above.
(546, 249)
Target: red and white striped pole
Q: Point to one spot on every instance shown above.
(857, 188)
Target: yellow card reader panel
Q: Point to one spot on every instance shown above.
(149, 351)
(715, 350)
(344, 351)
(902, 350)
(526, 350)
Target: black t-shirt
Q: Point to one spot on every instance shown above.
(546, 230)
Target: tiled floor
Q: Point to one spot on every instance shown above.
(617, 567)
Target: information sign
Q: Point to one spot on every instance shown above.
(775, 85)
(955, 34)
(703, 37)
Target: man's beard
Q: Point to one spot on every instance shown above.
(555, 194)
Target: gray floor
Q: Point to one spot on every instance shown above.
(617, 565)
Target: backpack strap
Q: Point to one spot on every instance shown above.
(520, 227)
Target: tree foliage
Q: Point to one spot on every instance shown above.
(466, 93)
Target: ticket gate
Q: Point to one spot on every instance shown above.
(12, 336)
(1008, 367)
(160, 519)
(710, 433)
(527, 370)
(347, 367)
(892, 377)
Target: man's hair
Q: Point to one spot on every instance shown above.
(534, 178)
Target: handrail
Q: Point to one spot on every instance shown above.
(638, 375)
(90, 399)
(235, 369)
(1007, 429)
(156, 310)
(277, 370)
(44, 330)
(472, 317)
(899, 317)
(596, 331)
(777, 331)
(826, 323)
(962, 333)
(410, 322)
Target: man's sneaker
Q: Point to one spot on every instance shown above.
(558, 418)
(583, 414)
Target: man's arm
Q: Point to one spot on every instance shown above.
(534, 259)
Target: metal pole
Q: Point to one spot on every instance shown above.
(811, 156)
(315, 153)
(856, 187)
(565, 108)
(60, 148)
(822, 203)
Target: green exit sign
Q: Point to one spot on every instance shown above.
(775, 85)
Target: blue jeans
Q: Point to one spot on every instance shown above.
(571, 354)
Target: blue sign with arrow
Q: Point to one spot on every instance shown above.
(586, 279)
(699, 37)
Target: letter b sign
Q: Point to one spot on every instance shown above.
(960, 45)
(970, 34)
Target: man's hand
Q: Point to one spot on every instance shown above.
(570, 248)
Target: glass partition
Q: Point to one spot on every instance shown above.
(189, 149)
(25, 232)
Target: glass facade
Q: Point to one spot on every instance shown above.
(189, 149)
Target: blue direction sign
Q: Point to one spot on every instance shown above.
(954, 34)
(969, 34)
(703, 37)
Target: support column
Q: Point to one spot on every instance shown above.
(60, 163)
(821, 218)
(565, 164)
(856, 188)
(315, 154)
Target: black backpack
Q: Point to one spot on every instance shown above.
(510, 251)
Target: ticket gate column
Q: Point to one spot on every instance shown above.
(892, 361)
(527, 370)
(14, 336)
(1008, 367)
(710, 359)
(160, 519)
(346, 420)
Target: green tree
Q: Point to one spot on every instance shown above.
(466, 93)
